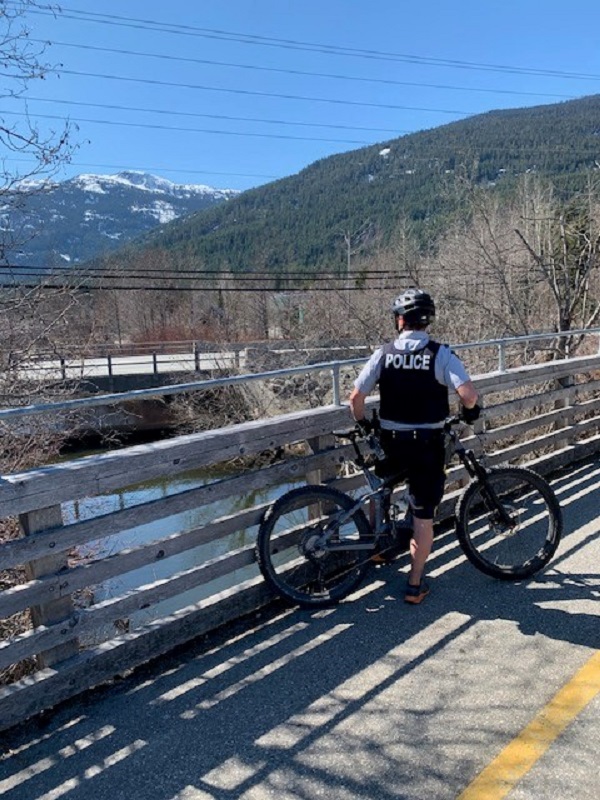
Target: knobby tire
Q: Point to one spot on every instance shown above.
(509, 551)
(288, 532)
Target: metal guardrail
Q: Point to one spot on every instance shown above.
(193, 348)
(334, 367)
(502, 344)
(161, 391)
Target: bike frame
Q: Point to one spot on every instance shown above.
(378, 494)
(476, 470)
(380, 490)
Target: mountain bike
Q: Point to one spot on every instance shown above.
(315, 543)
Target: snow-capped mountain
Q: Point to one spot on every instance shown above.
(56, 224)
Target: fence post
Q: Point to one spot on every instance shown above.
(566, 403)
(322, 475)
(55, 610)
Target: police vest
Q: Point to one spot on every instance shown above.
(409, 392)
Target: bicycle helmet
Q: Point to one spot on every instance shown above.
(415, 305)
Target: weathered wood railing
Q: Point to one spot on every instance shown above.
(546, 414)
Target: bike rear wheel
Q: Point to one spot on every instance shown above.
(509, 525)
(293, 543)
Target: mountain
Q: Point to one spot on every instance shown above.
(358, 199)
(90, 215)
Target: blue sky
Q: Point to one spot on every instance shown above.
(217, 92)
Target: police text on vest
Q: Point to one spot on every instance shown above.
(407, 360)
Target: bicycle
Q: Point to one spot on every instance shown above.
(315, 543)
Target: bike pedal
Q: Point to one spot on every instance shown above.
(383, 553)
(383, 558)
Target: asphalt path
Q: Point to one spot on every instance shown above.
(486, 690)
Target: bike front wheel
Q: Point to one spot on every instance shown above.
(509, 524)
(306, 546)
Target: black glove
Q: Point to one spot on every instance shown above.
(469, 415)
(365, 425)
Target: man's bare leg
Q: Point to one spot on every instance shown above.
(420, 548)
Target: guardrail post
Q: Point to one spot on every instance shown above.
(55, 610)
(196, 357)
(501, 357)
(109, 364)
(63, 369)
(155, 363)
(335, 374)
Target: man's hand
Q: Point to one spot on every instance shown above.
(470, 415)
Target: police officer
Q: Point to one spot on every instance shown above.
(414, 374)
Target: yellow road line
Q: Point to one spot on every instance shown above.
(518, 757)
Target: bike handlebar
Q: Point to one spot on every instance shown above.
(454, 419)
(372, 438)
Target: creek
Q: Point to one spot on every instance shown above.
(87, 508)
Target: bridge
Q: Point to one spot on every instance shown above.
(222, 692)
(149, 362)
(166, 358)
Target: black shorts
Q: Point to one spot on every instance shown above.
(417, 457)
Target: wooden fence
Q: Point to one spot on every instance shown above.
(545, 415)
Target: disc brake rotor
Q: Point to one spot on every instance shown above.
(311, 544)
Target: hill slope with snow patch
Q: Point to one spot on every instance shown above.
(56, 224)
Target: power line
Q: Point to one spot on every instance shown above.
(84, 288)
(291, 44)
(222, 281)
(156, 169)
(281, 284)
(154, 126)
(544, 150)
(271, 287)
(441, 155)
(171, 113)
(304, 73)
(201, 282)
(189, 280)
(252, 93)
(323, 273)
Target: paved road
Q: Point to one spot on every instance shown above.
(372, 700)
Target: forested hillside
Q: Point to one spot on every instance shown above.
(358, 199)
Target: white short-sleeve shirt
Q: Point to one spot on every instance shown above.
(449, 369)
